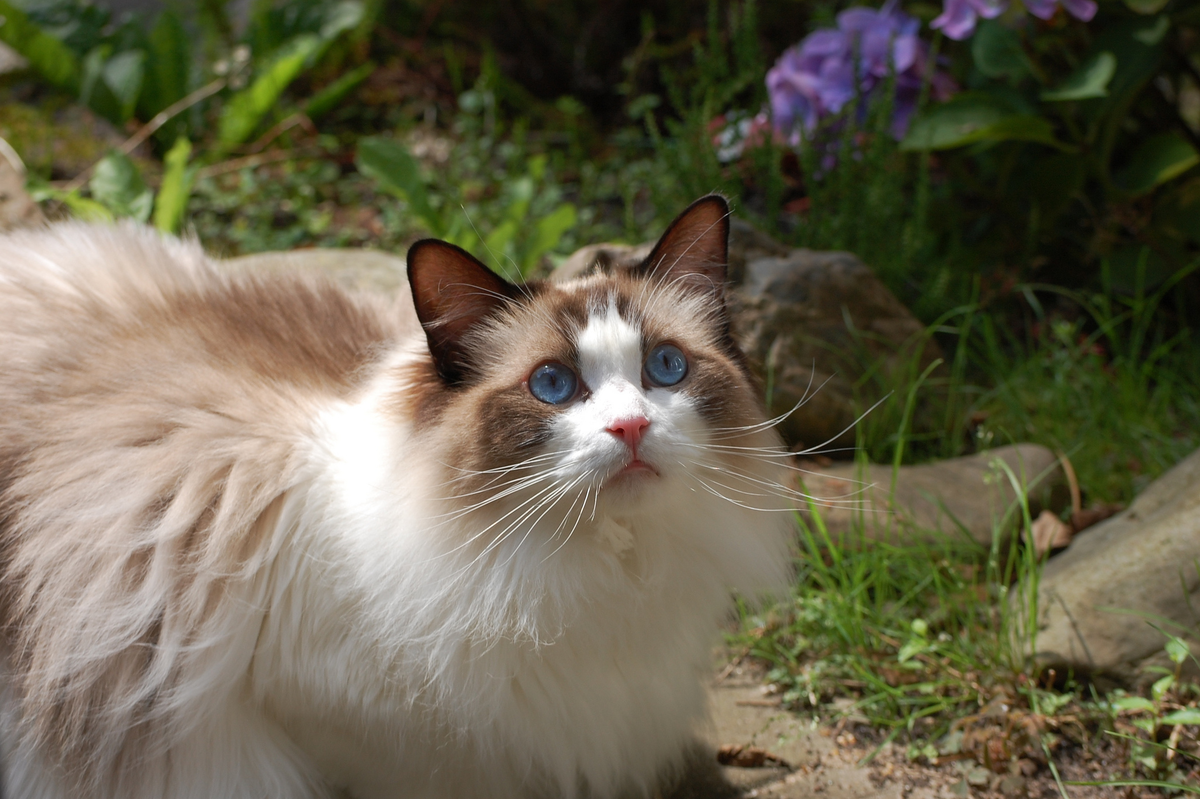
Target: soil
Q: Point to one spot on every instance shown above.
(790, 756)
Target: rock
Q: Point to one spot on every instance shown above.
(809, 321)
(11, 60)
(17, 208)
(359, 270)
(951, 497)
(1098, 599)
(604, 258)
(812, 323)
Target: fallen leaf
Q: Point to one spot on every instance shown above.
(1048, 532)
(748, 757)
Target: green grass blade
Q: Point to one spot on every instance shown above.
(176, 187)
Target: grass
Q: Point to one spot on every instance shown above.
(927, 639)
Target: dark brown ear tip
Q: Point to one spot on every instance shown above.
(422, 247)
(717, 199)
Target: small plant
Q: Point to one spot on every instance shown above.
(518, 237)
(158, 79)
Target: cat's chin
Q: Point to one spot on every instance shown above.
(633, 478)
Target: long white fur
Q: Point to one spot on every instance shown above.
(392, 651)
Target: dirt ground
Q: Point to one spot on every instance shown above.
(793, 757)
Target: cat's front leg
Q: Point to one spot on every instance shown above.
(236, 753)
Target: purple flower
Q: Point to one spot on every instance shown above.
(818, 77)
(958, 17)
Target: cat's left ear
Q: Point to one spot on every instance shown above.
(695, 249)
(453, 293)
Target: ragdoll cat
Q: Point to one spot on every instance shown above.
(261, 537)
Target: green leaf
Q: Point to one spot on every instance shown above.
(1177, 649)
(94, 91)
(246, 109)
(1146, 6)
(118, 185)
(498, 241)
(176, 187)
(397, 172)
(80, 206)
(1159, 159)
(973, 118)
(170, 54)
(1090, 80)
(342, 17)
(1153, 34)
(123, 76)
(1189, 715)
(911, 648)
(1137, 62)
(548, 233)
(46, 54)
(1161, 686)
(1133, 703)
(1146, 725)
(998, 52)
(520, 196)
(328, 98)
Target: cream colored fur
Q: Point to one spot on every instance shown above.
(233, 568)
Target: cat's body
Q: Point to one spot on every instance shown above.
(262, 538)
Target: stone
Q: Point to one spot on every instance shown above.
(810, 322)
(970, 495)
(11, 60)
(1101, 598)
(358, 270)
(17, 208)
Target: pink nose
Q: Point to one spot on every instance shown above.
(629, 431)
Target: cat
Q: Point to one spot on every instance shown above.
(263, 537)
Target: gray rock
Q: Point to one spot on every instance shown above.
(969, 495)
(358, 270)
(603, 258)
(811, 322)
(1098, 599)
(745, 242)
(11, 60)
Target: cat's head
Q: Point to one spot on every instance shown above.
(601, 391)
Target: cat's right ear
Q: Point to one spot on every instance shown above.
(453, 292)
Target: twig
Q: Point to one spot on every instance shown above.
(298, 119)
(1072, 483)
(733, 664)
(259, 159)
(157, 121)
(10, 155)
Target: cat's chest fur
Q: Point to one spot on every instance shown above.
(262, 538)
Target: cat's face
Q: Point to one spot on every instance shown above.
(603, 392)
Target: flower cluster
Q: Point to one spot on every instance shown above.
(958, 17)
(832, 66)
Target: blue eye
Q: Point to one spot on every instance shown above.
(666, 365)
(553, 383)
